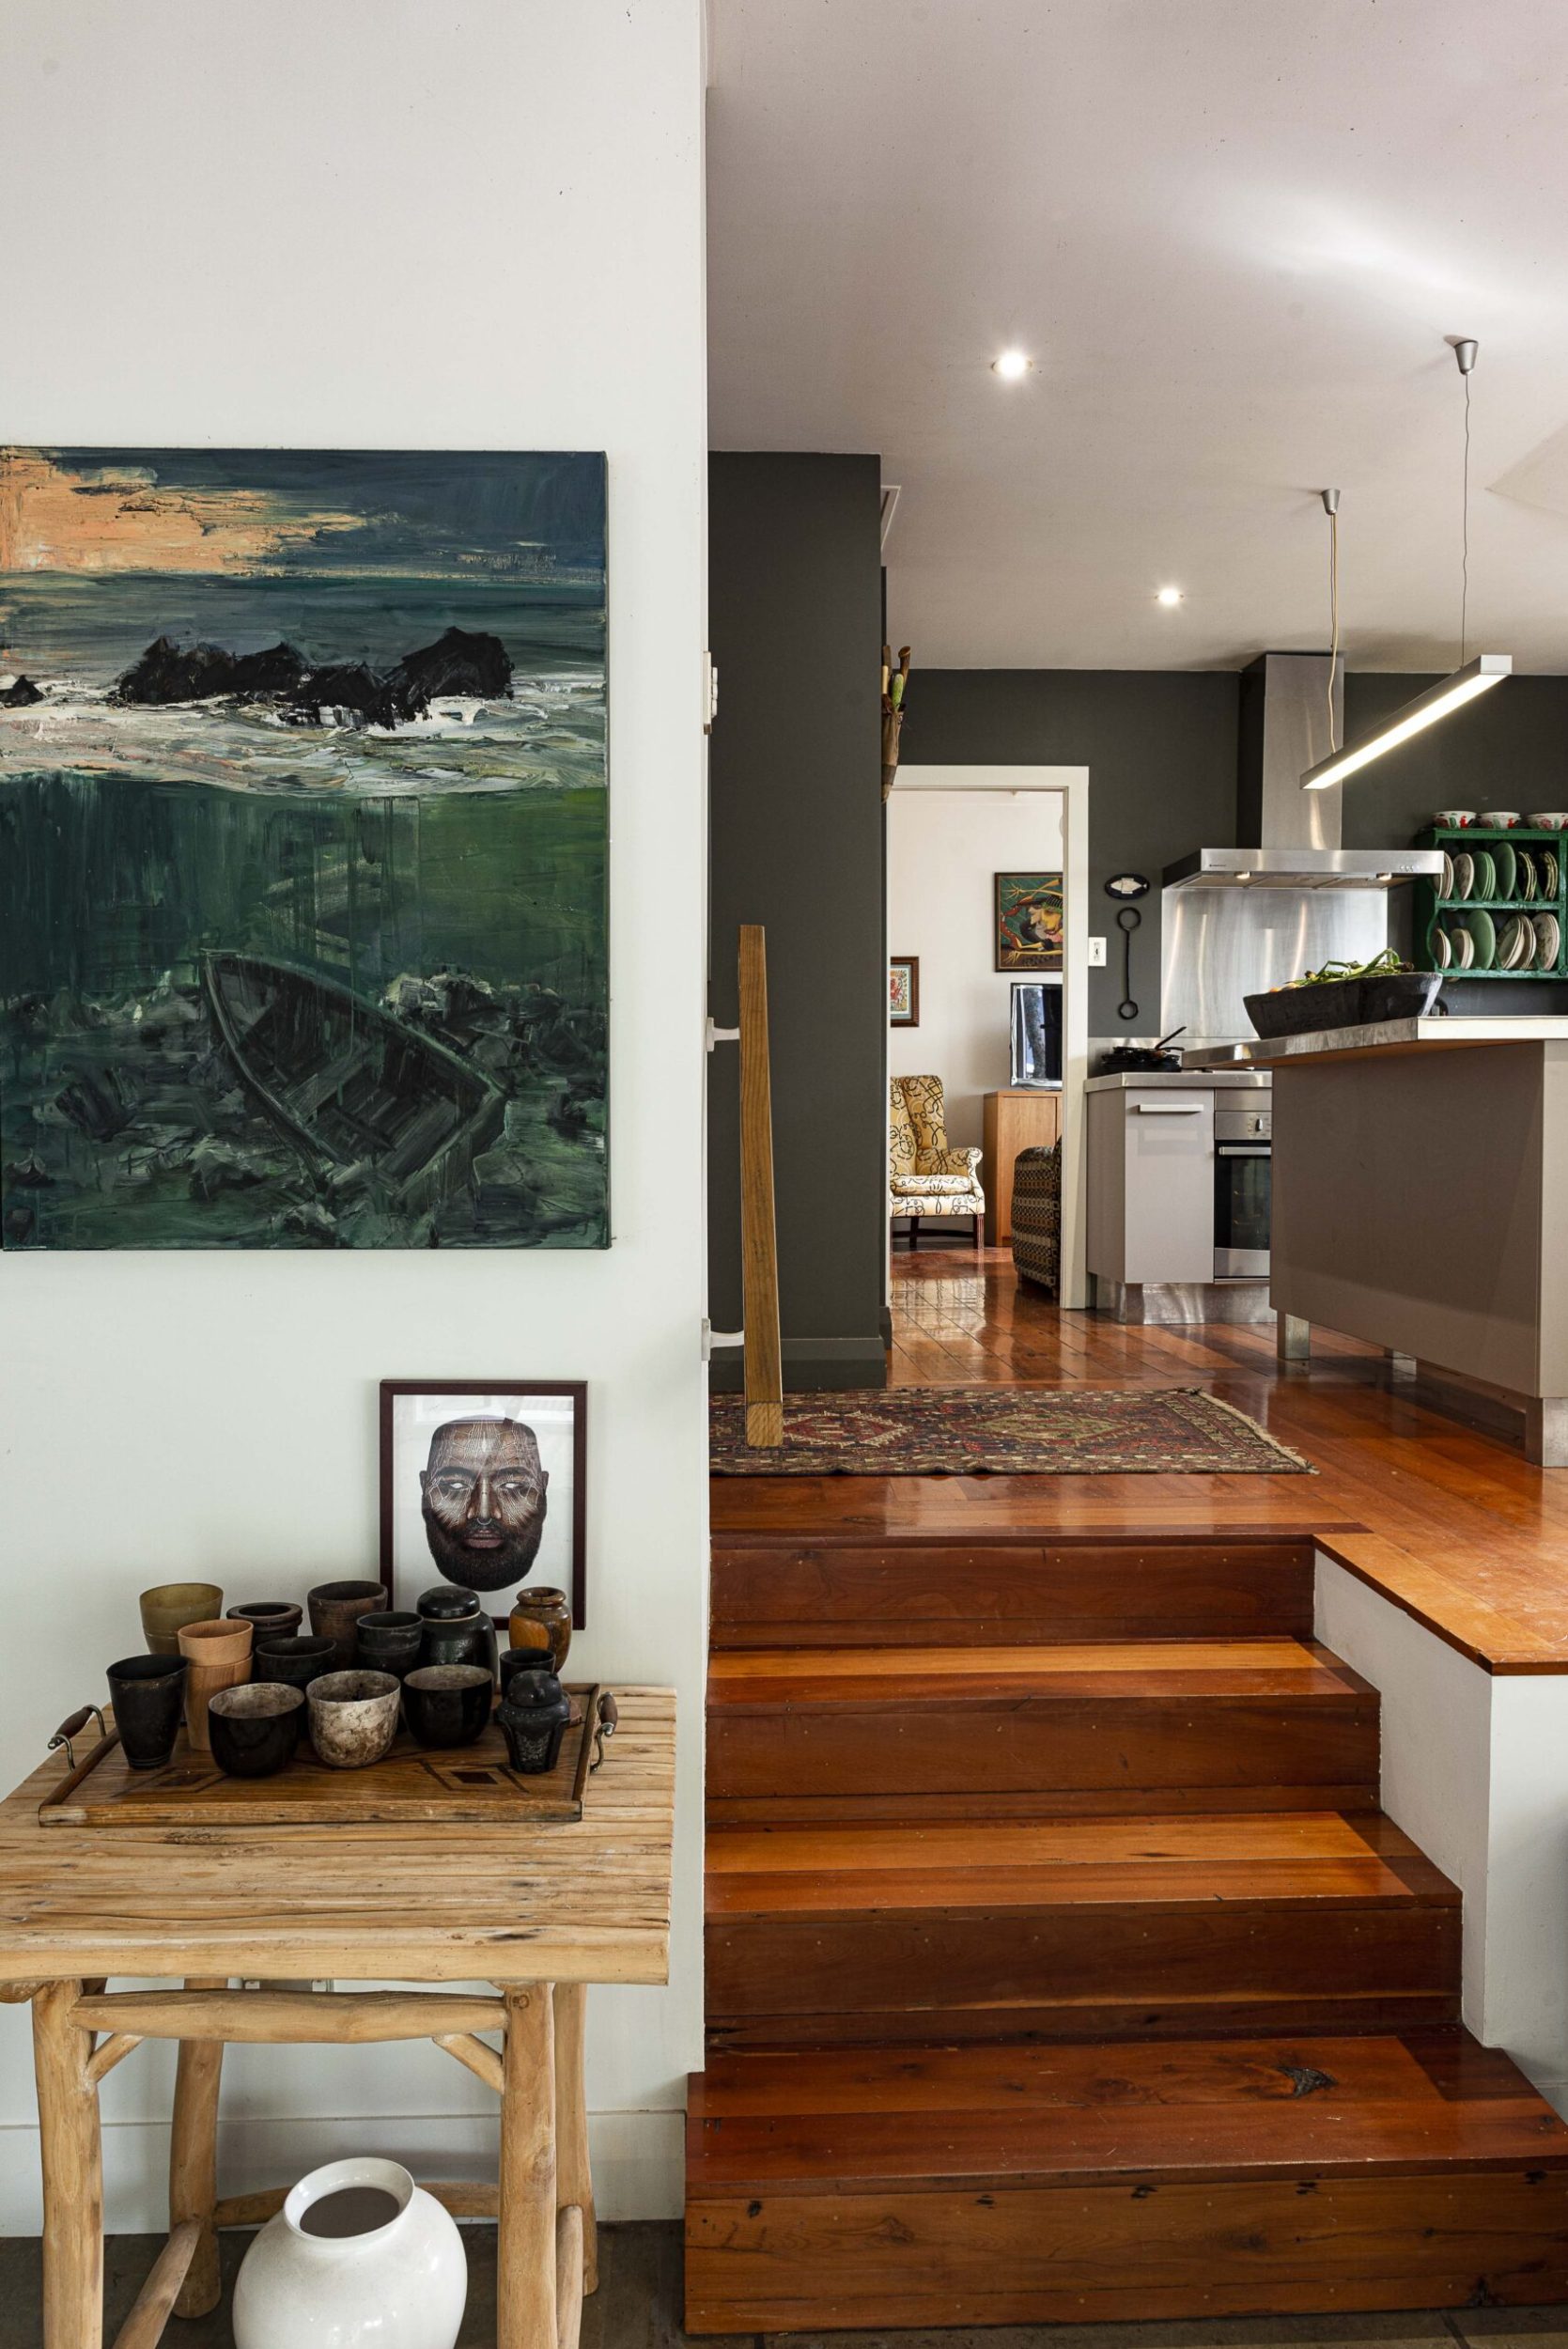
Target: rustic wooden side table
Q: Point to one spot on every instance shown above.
(539, 1913)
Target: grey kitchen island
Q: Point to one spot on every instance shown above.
(1420, 1202)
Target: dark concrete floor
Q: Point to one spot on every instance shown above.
(637, 2306)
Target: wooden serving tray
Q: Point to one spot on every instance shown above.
(461, 1783)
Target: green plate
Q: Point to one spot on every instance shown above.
(1507, 864)
(1486, 876)
(1482, 930)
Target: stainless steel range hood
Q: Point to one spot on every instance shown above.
(1290, 838)
(1237, 921)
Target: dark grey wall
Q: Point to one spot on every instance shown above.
(795, 625)
(1160, 748)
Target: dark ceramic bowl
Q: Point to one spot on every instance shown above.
(388, 1643)
(335, 1608)
(274, 1618)
(447, 1704)
(295, 1660)
(148, 1693)
(255, 1727)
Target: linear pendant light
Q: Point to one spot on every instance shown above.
(1470, 678)
(1488, 668)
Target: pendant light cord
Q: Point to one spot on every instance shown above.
(1465, 561)
(1333, 617)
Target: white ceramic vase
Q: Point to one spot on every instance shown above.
(400, 2286)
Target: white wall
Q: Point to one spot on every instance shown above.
(380, 224)
(945, 851)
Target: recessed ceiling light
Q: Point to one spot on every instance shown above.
(1010, 364)
(1169, 597)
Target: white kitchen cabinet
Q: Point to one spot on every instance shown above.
(1151, 1184)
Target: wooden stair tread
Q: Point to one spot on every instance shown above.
(1258, 1857)
(763, 1679)
(998, 2116)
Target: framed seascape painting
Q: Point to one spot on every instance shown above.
(904, 992)
(303, 850)
(1029, 921)
(483, 1486)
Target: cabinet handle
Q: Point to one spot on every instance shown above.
(1168, 1109)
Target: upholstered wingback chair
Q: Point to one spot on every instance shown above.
(924, 1175)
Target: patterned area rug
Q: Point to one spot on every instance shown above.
(1005, 1431)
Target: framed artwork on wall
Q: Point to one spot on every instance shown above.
(904, 992)
(303, 848)
(483, 1486)
(1029, 921)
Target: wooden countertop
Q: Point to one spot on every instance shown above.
(584, 1901)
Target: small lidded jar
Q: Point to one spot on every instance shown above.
(457, 1628)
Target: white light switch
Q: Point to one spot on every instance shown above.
(1097, 954)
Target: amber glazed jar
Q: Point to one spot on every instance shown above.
(541, 1619)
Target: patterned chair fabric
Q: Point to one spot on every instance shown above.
(925, 1176)
(1037, 1215)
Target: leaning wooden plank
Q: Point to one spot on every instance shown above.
(759, 1261)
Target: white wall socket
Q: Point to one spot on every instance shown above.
(1097, 954)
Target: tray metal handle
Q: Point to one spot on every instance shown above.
(605, 1726)
(72, 1727)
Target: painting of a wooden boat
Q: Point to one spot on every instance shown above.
(347, 1082)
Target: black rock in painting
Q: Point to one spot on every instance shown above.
(19, 694)
(464, 660)
(168, 672)
(352, 689)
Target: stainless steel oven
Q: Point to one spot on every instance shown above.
(1243, 1145)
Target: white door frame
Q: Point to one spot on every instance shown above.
(1073, 784)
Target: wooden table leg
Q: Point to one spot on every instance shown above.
(526, 2260)
(72, 2173)
(194, 2160)
(574, 2180)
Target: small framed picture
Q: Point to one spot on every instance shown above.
(484, 1485)
(1029, 921)
(904, 992)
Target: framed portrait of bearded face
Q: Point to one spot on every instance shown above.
(484, 1486)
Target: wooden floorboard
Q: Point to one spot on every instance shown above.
(1486, 1535)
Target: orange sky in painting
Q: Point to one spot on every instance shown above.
(118, 520)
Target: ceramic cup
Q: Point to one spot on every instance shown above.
(148, 1693)
(542, 1618)
(388, 1642)
(447, 1704)
(270, 1617)
(295, 1660)
(219, 1656)
(336, 1606)
(256, 1728)
(516, 1663)
(353, 1718)
(169, 1605)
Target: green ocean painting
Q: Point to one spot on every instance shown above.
(304, 849)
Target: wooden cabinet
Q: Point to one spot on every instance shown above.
(1022, 1118)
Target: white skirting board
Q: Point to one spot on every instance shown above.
(1475, 1770)
(638, 2160)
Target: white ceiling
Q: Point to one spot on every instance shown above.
(1234, 234)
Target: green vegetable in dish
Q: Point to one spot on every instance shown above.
(1333, 973)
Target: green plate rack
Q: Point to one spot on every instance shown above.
(1431, 908)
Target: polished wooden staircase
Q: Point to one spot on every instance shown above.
(1061, 1965)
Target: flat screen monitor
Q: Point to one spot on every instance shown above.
(1036, 1032)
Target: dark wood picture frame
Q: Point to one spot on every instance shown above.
(911, 1017)
(1017, 893)
(577, 1389)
